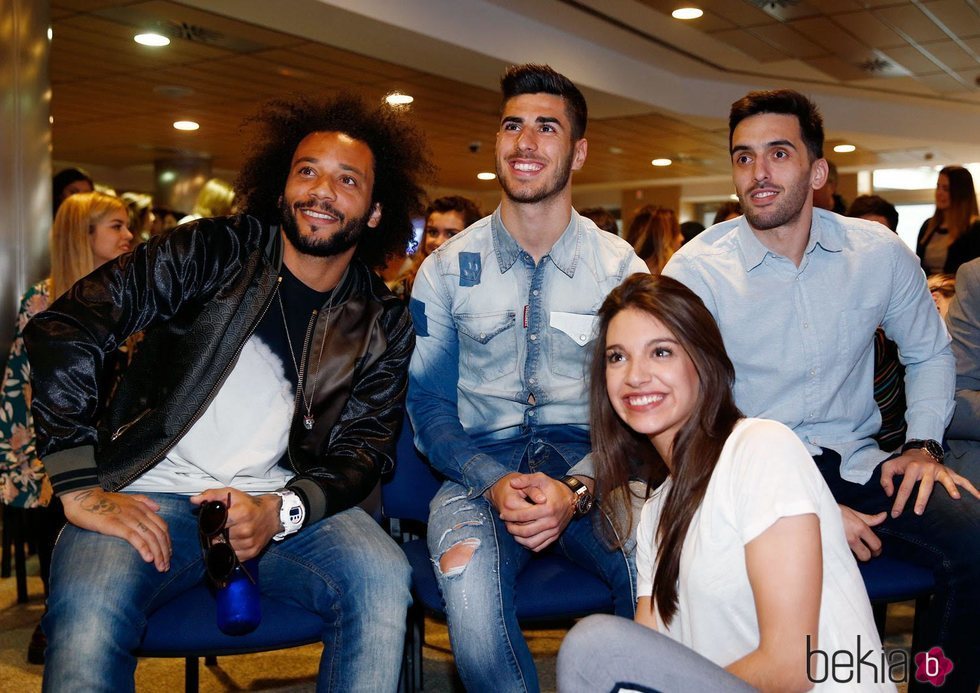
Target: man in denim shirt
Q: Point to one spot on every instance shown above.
(798, 293)
(498, 395)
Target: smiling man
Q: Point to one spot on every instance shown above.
(798, 293)
(272, 374)
(504, 314)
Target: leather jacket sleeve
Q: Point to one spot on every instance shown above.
(362, 441)
(68, 344)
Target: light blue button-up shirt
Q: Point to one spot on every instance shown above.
(502, 343)
(801, 338)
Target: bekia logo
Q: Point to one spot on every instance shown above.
(860, 666)
(932, 667)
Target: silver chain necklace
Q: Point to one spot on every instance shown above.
(308, 417)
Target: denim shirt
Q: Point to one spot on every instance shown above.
(503, 344)
(802, 338)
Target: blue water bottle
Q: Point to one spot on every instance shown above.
(239, 611)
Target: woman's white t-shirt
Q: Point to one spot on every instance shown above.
(764, 473)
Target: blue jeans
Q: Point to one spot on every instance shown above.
(945, 539)
(344, 568)
(489, 648)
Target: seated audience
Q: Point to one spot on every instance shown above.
(963, 321)
(216, 198)
(742, 496)
(942, 288)
(89, 230)
(66, 183)
(655, 235)
(952, 235)
(798, 293)
(690, 229)
(504, 315)
(728, 210)
(826, 197)
(141, 217)
(874, 208)
(602, 218)
(238, 413)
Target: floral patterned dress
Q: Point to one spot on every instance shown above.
(23, 482)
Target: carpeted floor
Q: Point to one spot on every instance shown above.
(286, 670)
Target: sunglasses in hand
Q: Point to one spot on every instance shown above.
(220, 560)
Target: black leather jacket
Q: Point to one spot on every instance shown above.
(198, 293)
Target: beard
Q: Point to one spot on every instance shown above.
(525, 194)
(786, 210)
(342, 240)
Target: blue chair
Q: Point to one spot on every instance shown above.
(550, 588)
(187, 627)
(891, 580)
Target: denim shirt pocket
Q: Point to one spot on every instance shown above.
(487, 344)
(571, 335)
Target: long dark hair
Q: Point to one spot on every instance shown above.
(962, 204)
(621, 454)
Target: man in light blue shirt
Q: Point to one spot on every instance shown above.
(798, 294)
(504, 315)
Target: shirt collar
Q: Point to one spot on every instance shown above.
(823, 232)
(564, 253)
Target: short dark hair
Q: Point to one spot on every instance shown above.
(541, 79)
(464, 206)
(401, 162)
(876, 205)
(781, 102)
(62, 179)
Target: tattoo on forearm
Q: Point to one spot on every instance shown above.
(97, 506)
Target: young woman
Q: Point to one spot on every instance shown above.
(89, 229)
(743, 570)
(952, 235)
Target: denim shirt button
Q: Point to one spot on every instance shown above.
(533, 381)
(582, 338)
(531, 413)
(533, 337)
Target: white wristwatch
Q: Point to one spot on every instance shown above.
(291, 514)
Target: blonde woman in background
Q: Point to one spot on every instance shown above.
(655, 235)
(215, 199)
(89, 230)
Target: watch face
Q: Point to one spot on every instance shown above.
(295, 514)
(584, 504)
(934, 449)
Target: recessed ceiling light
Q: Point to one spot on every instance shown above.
(396, 98)
(151, 39)
(51, 119)
(844, 148)
(661, 162)
(615, 150)
(486, 175)
(686, 13)
(50, 33)
(186, 125)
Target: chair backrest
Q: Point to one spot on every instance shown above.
(407, 492)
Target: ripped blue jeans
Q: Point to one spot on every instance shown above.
(488, 646)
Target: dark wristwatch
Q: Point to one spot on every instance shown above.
(932, 448)
(583, 497)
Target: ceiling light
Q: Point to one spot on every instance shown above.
(844, 148)
(661, 162)
(486, 175)
(686, 13)
(615, 150)
(151, 39)
(186, 125)
(50, 33)
(396, 98)
(51, 119)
